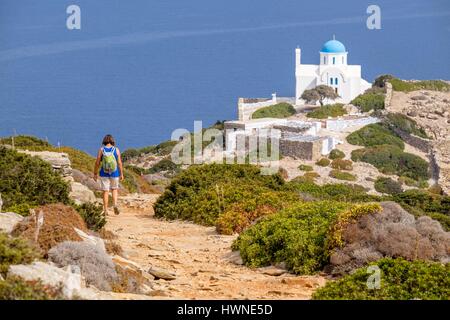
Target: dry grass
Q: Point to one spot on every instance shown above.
(58, 226)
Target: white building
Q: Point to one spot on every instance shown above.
(333, 71)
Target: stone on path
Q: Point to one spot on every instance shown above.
(161, 274)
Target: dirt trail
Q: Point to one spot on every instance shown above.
(199, 257)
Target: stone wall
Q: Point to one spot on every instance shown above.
(388, 96)
(297, 149)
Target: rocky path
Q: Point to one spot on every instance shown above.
(200, 259)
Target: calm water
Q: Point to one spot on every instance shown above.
(139, 69)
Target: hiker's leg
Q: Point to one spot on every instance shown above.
(105, 200)
(115, 192)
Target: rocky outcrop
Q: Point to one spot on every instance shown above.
(431, 111)
(8, 220)
(59, 161)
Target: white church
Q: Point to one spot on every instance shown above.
(332, 71)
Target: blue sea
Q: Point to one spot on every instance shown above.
(140, 69)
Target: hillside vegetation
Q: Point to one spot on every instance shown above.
(279, 110)
(79, 160)
(28, 181)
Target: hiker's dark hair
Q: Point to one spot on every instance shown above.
(108, 139)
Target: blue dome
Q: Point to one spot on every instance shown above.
(333, 46)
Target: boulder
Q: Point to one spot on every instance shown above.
(234, 257)
(81, 194)
(272, 271)
(95, 241)
(68, 278)
(85, 180)
(8, 220)
(161, 274)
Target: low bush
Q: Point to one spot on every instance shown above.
(15, 251)
(323, 162)
(342, 164)
(369, 101)
(408, 86)
(15, 288)
(296, 236)
(92, 214)
(305, 167)
(324, 112)
(403, 123)
(95, 265)
(24, 141)
(246, 211)
(280, 110)
(392, 160)
(374, 135)
(387, 185)
(427, 201)
(340, 175)
(27, 182)
(311, 176)
(401, 280)
(337, 192)
(413, 183)
(202, 192)
(164, 165)
(336, 154)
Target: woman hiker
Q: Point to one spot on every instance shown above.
(109, 162)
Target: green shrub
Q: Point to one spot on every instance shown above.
(15, 251)
(243, 213)
(15, 288)
(323, 162)
(422, 202)
(24, 141)
(305, 167)
(400, 280)
(336, 154)
(413, 183)
(337, 192)
(369, 101)
(342, 164)
(280, 110)
(92, 214)
(387, 185)
(392, 160)
(404, 123)
(331, 110)
(29, 181)
(164, 165)
(408, 86)
(202, 192)
(296, 236)
(337, 174)
(300, 235)
(374, 135)
(311, 176)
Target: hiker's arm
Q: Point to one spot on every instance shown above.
(119, 160)
(97, 164)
